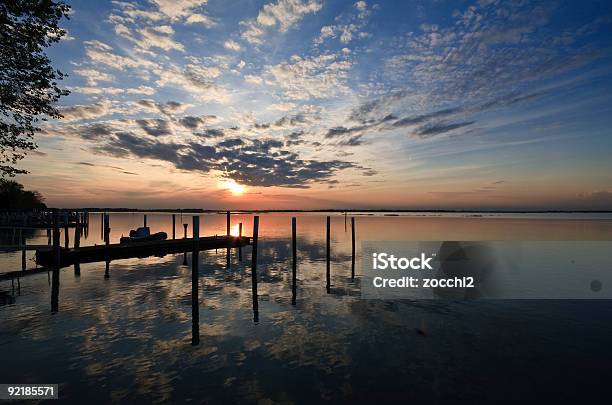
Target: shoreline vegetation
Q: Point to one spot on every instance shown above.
(335, 210)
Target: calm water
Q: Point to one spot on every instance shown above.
(128, 337)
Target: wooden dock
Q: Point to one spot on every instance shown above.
(100, 253)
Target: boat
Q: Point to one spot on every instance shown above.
(143, 234)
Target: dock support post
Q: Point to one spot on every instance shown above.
(56, 250)
(294, 267)
(185, 229)
(107, 229)
(48, 236)
(228, 223)
(240, 247)
(254, 269)
(353, 248)
(23, 253)
(145, 220)
(66, 236)
(195, 302)
(327, 255)
(56, 239)
(77, 233)
(173, 226)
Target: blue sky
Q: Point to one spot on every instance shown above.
(314, 103)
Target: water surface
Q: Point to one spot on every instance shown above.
(128, 337)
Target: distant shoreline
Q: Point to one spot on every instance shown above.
(197, 210)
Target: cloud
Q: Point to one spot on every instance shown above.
(255, 162)
(282, 106)
(440, 128)
(196, 80)
(114, 90)
(201, 19)
(158, 37)
(155, 127)
(99, 53)
(322, 76)
(176, 9)
(86, 112)
(93, 76)
(232, 45)
(281, 15)
(168, 108)
(349, 26)
(191, 122)
(253, 79)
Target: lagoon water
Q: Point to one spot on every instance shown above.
(128, 337)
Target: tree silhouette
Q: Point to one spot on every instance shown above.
(13, 196)
(28, 82)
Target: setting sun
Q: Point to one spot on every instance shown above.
(233, 187)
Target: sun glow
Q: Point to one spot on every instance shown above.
(233, 187)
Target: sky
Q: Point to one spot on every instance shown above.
(314, 104)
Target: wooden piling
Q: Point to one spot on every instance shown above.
(240, 247)
(254, 268)
(352, 248)
(144, 220)
(195, 304)
(56, 250)
(327, 254)
(294, 267)
(66, 235)
(185, 229)
(173, 226)
(56, 239)
(228, 223)
(55, 290)
(23, 253)
(107, 229)
(77, 233)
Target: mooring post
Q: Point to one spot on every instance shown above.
(254, 269)
(107, 269)
(55, 290)
(294, 251)
(77, 269)
(195, 302)
(173, 226)
(145, 220)
(48, 236)
(102, 226)
(240, 246)
(23, 252)
(66, 235)
(77, 233)
(107, 229)
(228, 232)
(228, 223)
(185, 229)
(327, 253)
(56, 238)
(56, 250)
(353, 248)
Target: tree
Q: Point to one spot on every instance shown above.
(13, 196)
(28, 82)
